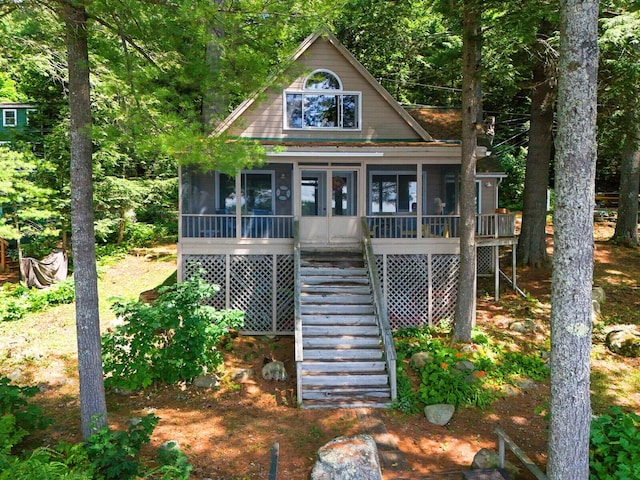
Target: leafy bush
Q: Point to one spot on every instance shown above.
(614, 452)
(173, 339)
(14, 401)
(469, 376)
(17, 300)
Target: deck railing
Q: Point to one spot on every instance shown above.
(225, 226)
(493, 225)
(297, 315)
(446, 226)
(381, 312)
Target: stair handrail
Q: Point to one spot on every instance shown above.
(297, 292)
(380, 304)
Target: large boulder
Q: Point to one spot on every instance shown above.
(275, 371)
(439, 414)
(624, 341)
(348, 458)
(487, 459)
(420, 359)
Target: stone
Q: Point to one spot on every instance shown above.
(595, 311)
(487, 459)
(625, 341)
(170, 445)
(275, 371)
(598, 294)
(206, 381)
(525, 326)
(242, 375)
(525, 383)
(348, 458)
(439, 414)
(420, 359)
(465, 366)
(510, 390)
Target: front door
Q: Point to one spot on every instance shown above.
(329, 206)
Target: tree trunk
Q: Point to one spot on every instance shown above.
(93, 409)
(466, 302)
(627, 224)
(532, 244)
(570, 411)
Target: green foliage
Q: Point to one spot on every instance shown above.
(14, 401)
(17, 300)
(113, 453)
(68, 462)
(467, 376)
(614, 452)
(176, 338)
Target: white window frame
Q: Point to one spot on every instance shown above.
(315, 92)
(15, 117)
(30, 111)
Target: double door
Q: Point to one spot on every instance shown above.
(328, 208)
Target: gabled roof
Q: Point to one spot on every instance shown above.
(9, 105)
(306, 44)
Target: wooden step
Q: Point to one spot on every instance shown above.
(332, 271)
(346, 380)
(335, 298)
(342, 354)
(342, 342)
(327, 280)
(321, 309)
(355, 289)
(339, 320)
(333, 366)
(350, 332)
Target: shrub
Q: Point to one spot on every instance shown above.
(614, 452)
(171, 340)
(17, 300)
(14, 401)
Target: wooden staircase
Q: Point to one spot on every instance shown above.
(343, 364)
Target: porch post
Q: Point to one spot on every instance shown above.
(496, 271)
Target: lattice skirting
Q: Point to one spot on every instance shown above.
(485, 260)
(260, 285)
(420, 289)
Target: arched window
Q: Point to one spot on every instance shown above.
(322, 104)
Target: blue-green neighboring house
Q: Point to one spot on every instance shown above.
(15, 123)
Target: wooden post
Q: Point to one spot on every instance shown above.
(3, 263)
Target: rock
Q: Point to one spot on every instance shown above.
(439, 414)
(420, 359)
(170, 445)
(525, 326)
(465, 366)
(348, 458)
(510, 390)
(597, 294)
(274, 371)
(206, 381)
(487, 459)
(625, 341)
(525, 383)
(595, 311)
(242, 375)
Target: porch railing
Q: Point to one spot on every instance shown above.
(447, 226)
(225, 226)
(381, 312)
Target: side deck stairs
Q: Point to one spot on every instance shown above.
(343, 358)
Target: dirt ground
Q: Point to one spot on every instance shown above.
(227, 432)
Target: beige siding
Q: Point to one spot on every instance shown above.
(379, 120)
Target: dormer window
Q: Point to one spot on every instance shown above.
(322, 104)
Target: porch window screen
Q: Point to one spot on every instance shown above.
(392, 193)
(256, 195)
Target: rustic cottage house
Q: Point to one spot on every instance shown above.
(348, 230)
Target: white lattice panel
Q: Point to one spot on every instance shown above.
(284, 294)
(250, 287)
(408, 290)
(444, 284)
(485, 260)
(213, 268)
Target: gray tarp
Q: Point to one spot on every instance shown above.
(45, 272)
